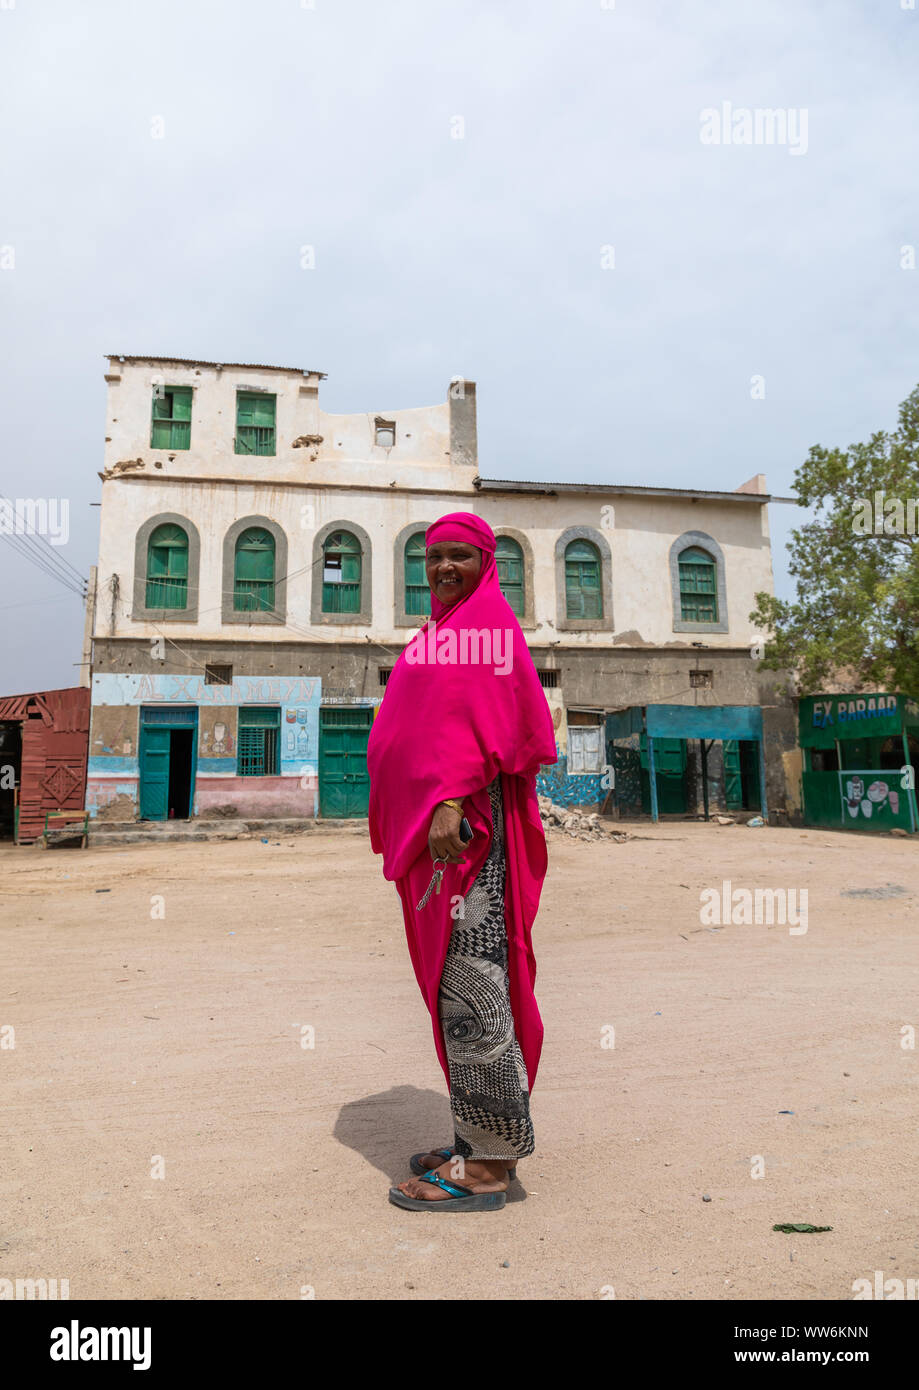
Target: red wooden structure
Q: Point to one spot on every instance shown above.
(48, 753)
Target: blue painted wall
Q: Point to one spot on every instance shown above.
(574, 789)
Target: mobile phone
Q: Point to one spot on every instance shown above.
(465, 830)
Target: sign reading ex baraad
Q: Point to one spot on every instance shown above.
(822, 719)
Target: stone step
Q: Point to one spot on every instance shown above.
(225, 828)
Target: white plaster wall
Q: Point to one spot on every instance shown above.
(348, 478)
(640, 539)
(346, 456)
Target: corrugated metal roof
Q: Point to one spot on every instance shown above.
(66, 709)
(525, 485)
(15, 707)
(201, 362)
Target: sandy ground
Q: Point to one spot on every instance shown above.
(178, 1038)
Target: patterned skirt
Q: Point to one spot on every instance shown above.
(489, 1094)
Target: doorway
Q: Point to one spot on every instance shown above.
(167, 763)
(10, 773)
(742, 790)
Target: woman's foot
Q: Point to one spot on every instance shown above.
(478, 1175)
(435, 1158)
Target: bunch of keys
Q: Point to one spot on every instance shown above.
(434, 885)
(465, 834)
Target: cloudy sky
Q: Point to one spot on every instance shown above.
(333, 125)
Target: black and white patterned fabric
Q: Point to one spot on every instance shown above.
(489, 1093)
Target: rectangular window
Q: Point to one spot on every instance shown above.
(384, 433)
(171, 428)
(218, 675)
(258, 742)
(548, 679)
(255, 423)
(384, 674)
(584, 748)
(701, 680)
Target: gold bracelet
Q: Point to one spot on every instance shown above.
(454, 803)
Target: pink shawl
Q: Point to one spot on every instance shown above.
(448, 724)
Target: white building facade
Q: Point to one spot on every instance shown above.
(261, 566)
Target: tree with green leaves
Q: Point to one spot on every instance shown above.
(856, 566)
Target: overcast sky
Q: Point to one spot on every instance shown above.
(333, 127)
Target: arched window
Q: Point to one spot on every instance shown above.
(583, 596)
(167, 568)
(509, 561)
(417, 589)
(698, 586)
(253, 572)
(341, 573)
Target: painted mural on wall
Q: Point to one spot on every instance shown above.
(114, 771)
(569, 789)
(873, 796)
(115, 688)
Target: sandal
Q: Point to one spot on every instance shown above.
(460, 1199)
(418, 1167)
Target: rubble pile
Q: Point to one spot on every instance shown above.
(576, 824)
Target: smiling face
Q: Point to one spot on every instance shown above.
(452, 569)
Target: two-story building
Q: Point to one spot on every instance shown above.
(261, 566)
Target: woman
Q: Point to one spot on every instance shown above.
(462, 731)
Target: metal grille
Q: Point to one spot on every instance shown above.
(341, 598)
(218, 675)
(257, 752)
(167, 593)
(168, 714)
(335, 717)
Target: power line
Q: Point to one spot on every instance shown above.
(40, 539)
(30, 602)
(37, 558)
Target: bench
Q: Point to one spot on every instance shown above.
(67, 825)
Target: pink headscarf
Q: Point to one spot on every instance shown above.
(446, 728)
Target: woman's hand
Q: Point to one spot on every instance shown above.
(444, 838)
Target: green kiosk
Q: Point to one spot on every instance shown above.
(861, 757)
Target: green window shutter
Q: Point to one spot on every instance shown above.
(167, 568)
(509, 561)
(255, 423)
(341, 574)
(258, 742)
(698, 586)
(417, 589)
(171, 428)
(181, 404)
(583, 597)
(253, 572)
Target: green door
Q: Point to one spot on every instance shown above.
(733, 785)
(154, 772)
(670, 763)
(344, 783)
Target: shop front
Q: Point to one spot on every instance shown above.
(860, 760)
